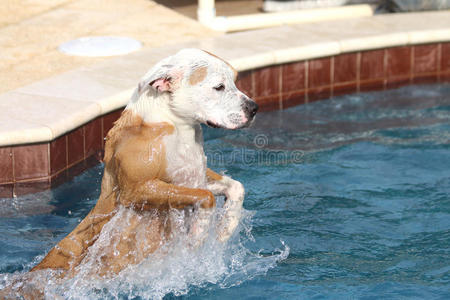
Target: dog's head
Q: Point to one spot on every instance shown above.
(200, 89)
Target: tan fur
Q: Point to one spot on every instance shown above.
(213, 176)
(134, 177)
(198, 75)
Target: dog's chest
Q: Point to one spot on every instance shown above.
(186, 161)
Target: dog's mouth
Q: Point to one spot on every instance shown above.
(215, 125)
(212, 124)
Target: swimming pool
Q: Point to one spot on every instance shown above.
(346, 198)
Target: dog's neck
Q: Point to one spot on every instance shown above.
(154, 107)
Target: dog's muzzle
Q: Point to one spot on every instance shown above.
(236, 120)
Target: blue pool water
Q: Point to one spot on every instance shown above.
(347, 198)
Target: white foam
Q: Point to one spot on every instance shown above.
(174, 269)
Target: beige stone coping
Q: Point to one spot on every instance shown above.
(46, 109)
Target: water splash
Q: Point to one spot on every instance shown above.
(173, 269)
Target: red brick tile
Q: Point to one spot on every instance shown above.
(269, 103)
(93, 137)
(6, 165)
(319, 93)
(371, 85)
(372, 65)
(319, 72)
(73, 171)
(31, 161)
(445, 57)
(75, 146)
(267, 81)
(293, 98)
(397, 82)
(6, 190)
(58, 154)
(245, 83)
(24, 188)
(344, 88)
(425, 59)
(293, 77)
(109, 119)
(345, 68)
(398, 62)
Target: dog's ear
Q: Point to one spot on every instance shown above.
(161, 78)
(164, 77)
(162, 84)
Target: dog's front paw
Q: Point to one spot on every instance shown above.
(235, 191)
(233, 206)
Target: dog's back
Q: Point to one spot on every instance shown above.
(129, 143)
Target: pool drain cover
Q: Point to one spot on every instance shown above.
(100, 46)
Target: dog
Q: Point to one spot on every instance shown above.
(155, 162)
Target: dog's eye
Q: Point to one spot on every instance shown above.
(220, 87)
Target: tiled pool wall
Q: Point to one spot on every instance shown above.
(282, 86)
(35, 167)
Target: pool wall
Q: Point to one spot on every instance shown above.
(286, 85)
(54, 144)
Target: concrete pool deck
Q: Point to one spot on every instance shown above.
(32, 30)
(53, 124)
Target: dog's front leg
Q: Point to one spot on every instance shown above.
(155, 193)
(234, 193)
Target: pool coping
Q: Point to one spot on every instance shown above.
(75, 110)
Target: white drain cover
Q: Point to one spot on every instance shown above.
(100, 46)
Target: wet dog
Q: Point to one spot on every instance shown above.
(154, 162)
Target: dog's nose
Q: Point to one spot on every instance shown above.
(251, 107)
